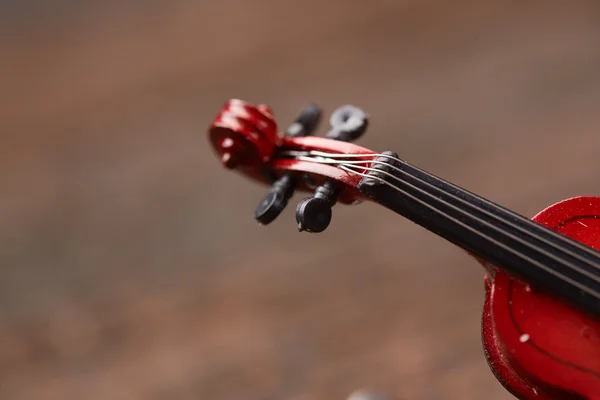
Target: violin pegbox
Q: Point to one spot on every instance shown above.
(313, 214)
(283, 188)
(246, 139)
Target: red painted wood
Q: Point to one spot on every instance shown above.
(245, 139)
(536, 344)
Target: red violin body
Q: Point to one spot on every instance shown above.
(537, 345)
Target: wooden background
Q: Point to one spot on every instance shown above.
(130, 263)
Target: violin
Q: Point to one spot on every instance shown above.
(541, 314)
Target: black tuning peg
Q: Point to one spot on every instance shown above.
(348, 123)
(275, 201)
(306, 123)
(313, 214)
(283, 188)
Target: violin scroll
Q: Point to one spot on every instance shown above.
(244, 135)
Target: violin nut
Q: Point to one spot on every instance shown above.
(375, 179)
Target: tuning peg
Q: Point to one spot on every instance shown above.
(282, 189)
(306, 123)
(313, 214)
(348, 123)
(276, 200)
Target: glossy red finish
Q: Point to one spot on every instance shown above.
(245, 139)
(537, 346)
(243, 135)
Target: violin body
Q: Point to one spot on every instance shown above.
(537, 346)
(537, 342)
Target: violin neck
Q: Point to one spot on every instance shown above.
(507, 240)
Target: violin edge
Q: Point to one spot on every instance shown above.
(514, 369)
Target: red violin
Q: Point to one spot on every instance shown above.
(541, 317)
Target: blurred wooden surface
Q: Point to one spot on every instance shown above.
(130, 264)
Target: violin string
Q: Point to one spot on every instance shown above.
(482, 221)
(347, 165)
(491, 214)
(464, 212)
(534, 225)
(526, 221)
(557, 274)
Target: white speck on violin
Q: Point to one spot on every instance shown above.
(524, 337)
(527, 288)
(582, 223)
